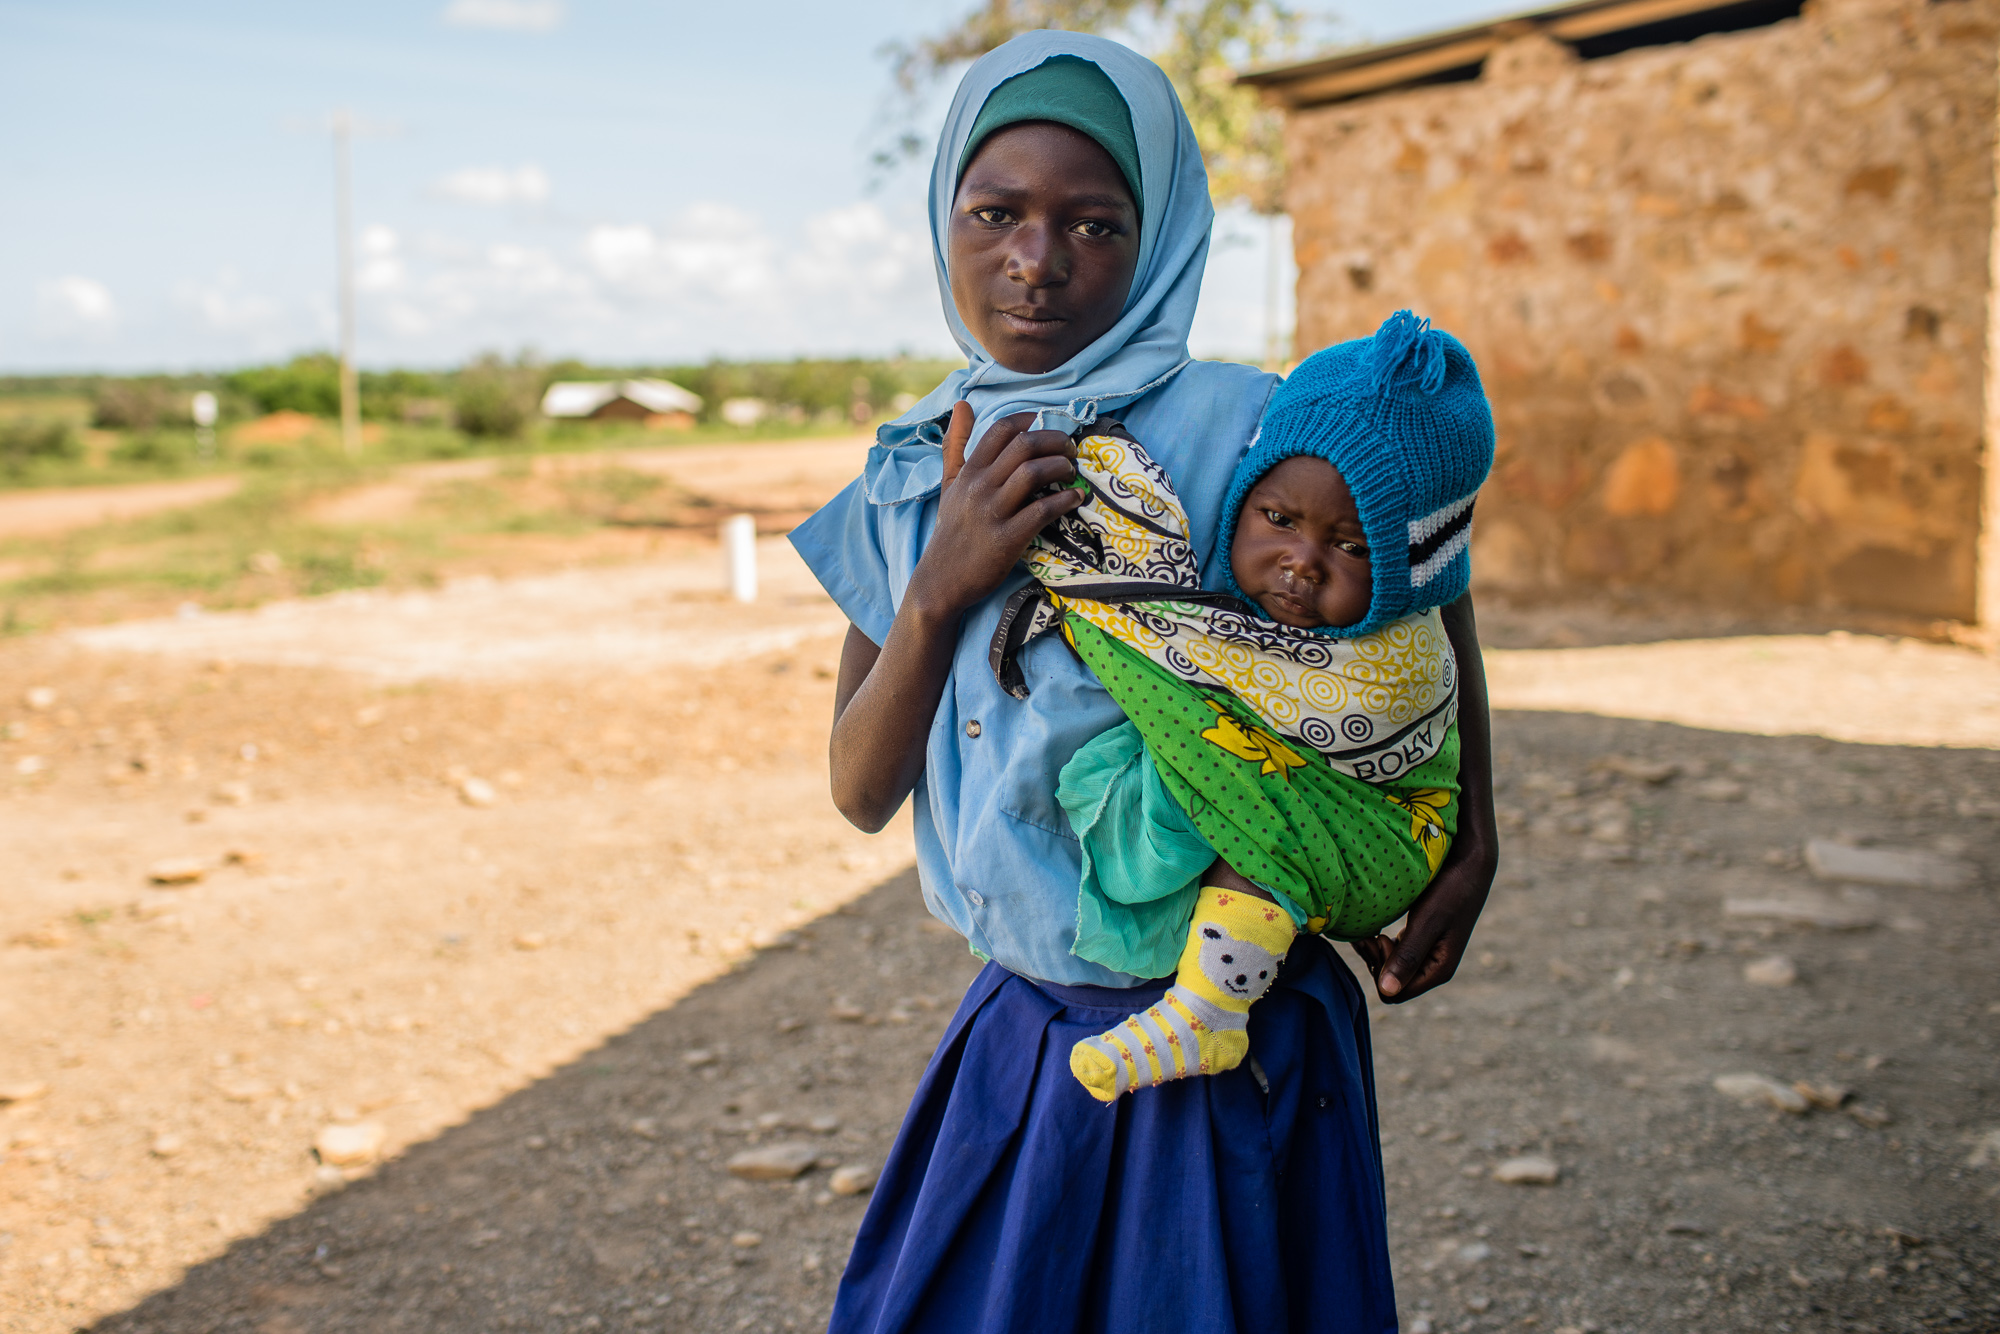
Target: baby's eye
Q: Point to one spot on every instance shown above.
(1278, 520)
(1354, 549)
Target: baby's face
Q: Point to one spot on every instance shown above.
(1299, 550)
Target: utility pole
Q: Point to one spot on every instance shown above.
(343, 211)
(1275, 353)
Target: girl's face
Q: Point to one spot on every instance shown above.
(1043, 243)
(1299, 550)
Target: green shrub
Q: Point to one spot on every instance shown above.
(820, 389)
(797, 391)
(332, 571)
(308, 384)
(493, 398)
(154, 450)
(136, 405)
(28, 440)
(404, 396)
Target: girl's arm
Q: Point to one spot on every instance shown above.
(1440, 923)
(887, 695)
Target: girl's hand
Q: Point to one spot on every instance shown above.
(1432, 942)
(888, 694)
(989, 510)
(1428, 950)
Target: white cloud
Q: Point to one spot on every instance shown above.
(525, 184)
(225, 307)
(512, 15)
(381, 268)
(857, 245)
(76, 305)
(713, 252)
(716, 280)
(621, 252)
(711, 280)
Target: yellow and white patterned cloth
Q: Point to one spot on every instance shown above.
(1375, 706)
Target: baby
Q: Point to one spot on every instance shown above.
(1290, 756)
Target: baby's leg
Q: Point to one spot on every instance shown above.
(1201, 1026)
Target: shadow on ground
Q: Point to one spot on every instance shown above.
(1608, 987)
(596, 1198)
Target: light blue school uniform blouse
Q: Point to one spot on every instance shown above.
(995, 853)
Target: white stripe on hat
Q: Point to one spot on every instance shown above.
(1443, 556)
(1431, 523)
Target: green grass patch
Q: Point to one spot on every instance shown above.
(48, 450)
(265, 542)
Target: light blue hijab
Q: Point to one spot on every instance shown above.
(1147, 346)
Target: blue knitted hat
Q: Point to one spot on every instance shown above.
(1402, 416)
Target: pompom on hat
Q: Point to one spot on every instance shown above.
(1402, 416)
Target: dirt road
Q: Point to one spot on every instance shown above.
(58, 510)
(796, 474)
(632, 619)
(461, 886)
(1607, 994)
(412, 901)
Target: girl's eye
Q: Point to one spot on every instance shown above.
(993, 217)
(1092, 228)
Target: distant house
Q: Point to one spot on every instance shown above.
(653, 402)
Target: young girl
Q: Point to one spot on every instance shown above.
(1069, 236)
(1302, 727)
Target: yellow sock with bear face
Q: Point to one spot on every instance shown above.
(1201, 1026)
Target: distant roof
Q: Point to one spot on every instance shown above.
(580, 398)
(1594, 27)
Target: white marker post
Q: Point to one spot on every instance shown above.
(739, 549)
(202, 409)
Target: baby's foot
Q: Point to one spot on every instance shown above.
(1200, 1027)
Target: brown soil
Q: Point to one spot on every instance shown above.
(1602, 999)
(45, 513)
(365, 945)
(510, 990)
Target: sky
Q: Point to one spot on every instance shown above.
(619, 181)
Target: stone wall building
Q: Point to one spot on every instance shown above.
(1726, 272)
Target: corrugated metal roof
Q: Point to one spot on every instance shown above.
(580, 398)
(1373, 69)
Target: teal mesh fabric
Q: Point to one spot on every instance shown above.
(1142, 856)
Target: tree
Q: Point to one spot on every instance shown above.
(1199, 43)
(492, 398)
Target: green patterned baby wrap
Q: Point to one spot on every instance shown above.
(1324, 769)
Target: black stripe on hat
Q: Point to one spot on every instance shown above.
(1423, 550)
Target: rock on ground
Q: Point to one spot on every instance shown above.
(1904, 868)
(1678, 1208)
(349, 1145)
(1762, 1089)
(1773, 971)
(774, 1162)
(1531, 1170)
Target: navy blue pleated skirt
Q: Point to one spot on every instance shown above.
(1015, 1203)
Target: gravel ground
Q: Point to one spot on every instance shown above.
(1606, 993)
(597, 1198)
